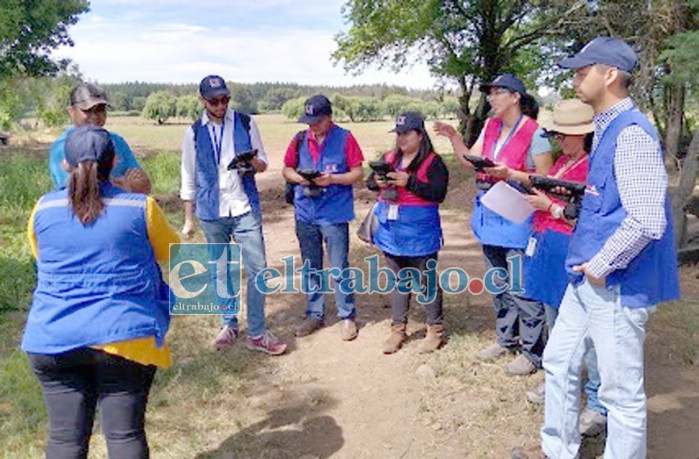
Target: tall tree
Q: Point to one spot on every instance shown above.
(467, 41)
(30, 29)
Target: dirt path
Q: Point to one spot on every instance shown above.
(329, 398)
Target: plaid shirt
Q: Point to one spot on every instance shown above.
(642, 182)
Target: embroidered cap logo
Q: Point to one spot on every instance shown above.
(309, 109)
(400, 121)
(214, 82)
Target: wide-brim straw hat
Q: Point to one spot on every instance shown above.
(571, 117)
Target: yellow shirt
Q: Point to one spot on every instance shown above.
(161, 235)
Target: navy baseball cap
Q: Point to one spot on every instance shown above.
(315, 108)
(409, 121)
(603, 50)
(88, 143)
(212, 86)
(507, 81)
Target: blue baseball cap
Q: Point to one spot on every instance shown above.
(409, 121)
(212, 86)
(507, 81)
(88, 143)
(315, 108)
(603, 50)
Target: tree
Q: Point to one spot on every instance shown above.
(188, 107)
(467, 41)
(138, 103)
(160, 106)
(242, 99)
(30, 29)
(293, 108)
(276, 97)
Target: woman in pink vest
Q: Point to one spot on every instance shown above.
(515, 143)
(409, 231)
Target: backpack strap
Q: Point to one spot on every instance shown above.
(298, 138)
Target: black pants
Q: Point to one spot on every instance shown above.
(400, 302)
(73, 383)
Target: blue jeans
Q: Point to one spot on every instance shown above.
(516, 317)
(246, 231)
(336, 237)
(592, 384)
(593, 316)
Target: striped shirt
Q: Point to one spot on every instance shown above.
(642, 182)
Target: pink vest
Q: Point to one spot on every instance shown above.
(405, 197)
(576, 172)
(514, 153)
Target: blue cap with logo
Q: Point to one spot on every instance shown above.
(88, 143)
(603, 50)
(507, 81)
(315, 108)
(212, 86)
(409, 121)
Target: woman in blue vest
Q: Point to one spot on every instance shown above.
(409, 230)
(96, 328)
(511, 139)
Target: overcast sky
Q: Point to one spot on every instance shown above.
(180, 41)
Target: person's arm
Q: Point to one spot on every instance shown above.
(290, 161)
(642, 183)
(131, 176)
(260, 160)
(354, 158)
(33, 245)
(160, 233)
(435, 189)
(188, 189)
(458, 144)
(540, 154)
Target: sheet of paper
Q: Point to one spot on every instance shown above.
(507, 202)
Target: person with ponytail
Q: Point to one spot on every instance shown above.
(95, 333)
(409, 230)
(513, 141)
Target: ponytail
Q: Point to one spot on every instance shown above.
(84, 190)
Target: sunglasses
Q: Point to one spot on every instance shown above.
(219, 101)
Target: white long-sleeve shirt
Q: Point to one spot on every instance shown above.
(232, 198)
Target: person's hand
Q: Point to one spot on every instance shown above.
(539, 201)
(398, 178)
(188, 229)
(323, 180)
(597, 282)
(134, 180)
(498, 171)
(444, 129)
(381, 183)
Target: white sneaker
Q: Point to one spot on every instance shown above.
(592, 423)
(538, 395)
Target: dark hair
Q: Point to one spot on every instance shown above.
(588, 142)
(423, 150)
(529, 106)
(84, 189)
(625, 78)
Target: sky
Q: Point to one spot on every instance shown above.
(181, 41)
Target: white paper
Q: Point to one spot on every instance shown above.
(507, 202)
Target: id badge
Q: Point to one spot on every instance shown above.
(393, 212)
(531, 247)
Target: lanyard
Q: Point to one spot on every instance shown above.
(218, 141)
(507, 139)
(567, 168)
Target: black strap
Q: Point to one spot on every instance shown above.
(298, 138)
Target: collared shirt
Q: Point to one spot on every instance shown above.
(642, 182)
(232, 198)
(353, 152)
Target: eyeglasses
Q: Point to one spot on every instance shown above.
(219, 101)
(96, 110)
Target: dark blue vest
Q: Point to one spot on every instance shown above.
(336, 204)
(96, 284)
(207, 205)
(651, 277)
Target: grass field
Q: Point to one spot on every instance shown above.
(203, 398)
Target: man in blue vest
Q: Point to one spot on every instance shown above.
(323, 207)
(88, 106)
(227, 203)
(621, 261)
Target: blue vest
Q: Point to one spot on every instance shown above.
(492, 229)
(651, 277)
(96, 284)
(336, 204)
(416, 232)
(207, 203)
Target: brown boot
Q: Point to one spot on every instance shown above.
(433, 340)
(395, 339)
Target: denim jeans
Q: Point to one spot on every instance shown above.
(591, 387)
(336, 238)
(245, 230)
(593, 316)
(516, 318)
(75, 382)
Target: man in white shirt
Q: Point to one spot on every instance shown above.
(226, 202)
